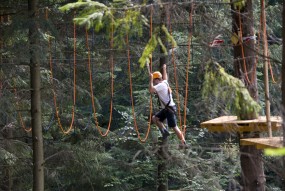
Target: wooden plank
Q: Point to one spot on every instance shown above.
(262, 143)
(232, 124)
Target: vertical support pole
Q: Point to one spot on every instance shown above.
(265, 67)
(162, 174)
(163, 148)
(35, 76)
(283, 90)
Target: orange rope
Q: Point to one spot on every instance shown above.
(187, 68)
(92, 93)
(150, 31)
(175, 75)
(271, 71)
(17, 103)
(20, 115)
(242, 50)
(132, 100)
(46, 13)
(1, 88)
(74, 86)
(265, 36)
(112, 76)
(257, 50)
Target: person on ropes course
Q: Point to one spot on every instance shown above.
(158, 83)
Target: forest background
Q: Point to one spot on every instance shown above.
(77, 157)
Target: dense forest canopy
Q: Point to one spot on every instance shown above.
(92, 62)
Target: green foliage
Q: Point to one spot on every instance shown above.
(16, 157)
(7, 157)
(169, 37)
(120, 23)
(77, 167)
(203, 168)
(87, 165)
(229, 89)
(275, 152)
(91, 14)
(275, 2)
(149, 48)
(153, 42)
(85, 161)
(238, 4)
(131, 23)
(105, 18)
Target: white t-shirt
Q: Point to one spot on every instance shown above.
(163, 94)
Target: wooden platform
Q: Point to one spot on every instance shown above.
(262, 143)
(232, 124)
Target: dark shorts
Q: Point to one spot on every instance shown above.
(167, 114)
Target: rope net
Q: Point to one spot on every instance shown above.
(193, 27)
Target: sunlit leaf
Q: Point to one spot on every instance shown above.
(275, 152)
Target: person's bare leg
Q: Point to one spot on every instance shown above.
(179, 134)
(161, 127)
(157, 122)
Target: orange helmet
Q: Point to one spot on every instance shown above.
(156, 75)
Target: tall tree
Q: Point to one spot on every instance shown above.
(244, 56)
(38, 156)
(163, 149)
(283, 86)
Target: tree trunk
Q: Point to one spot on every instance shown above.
(283, 88)
(252, 174)
(38, 159)
(251, 161)
(244, 53)
(162, 174)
